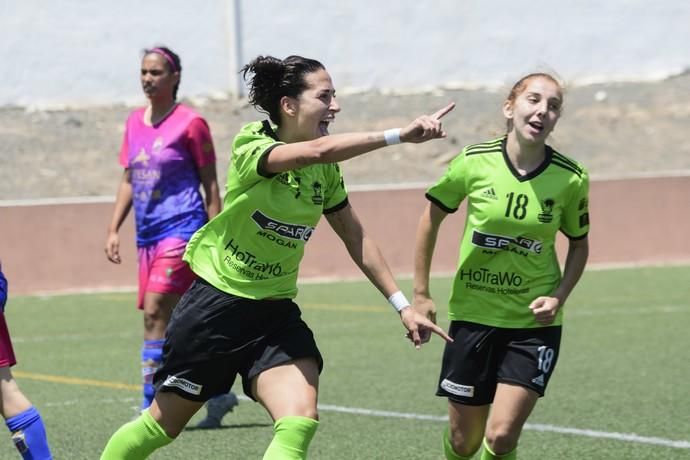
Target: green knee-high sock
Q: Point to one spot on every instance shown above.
(448, 448)
(291, 438)
(136, 440)
(488, 454)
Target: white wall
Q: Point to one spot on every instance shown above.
(417, 43)
(78, 52)
(88, 52)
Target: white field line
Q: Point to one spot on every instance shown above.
(78, 402)
(57, 201)
(626, 437)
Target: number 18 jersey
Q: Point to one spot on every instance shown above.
(507, 254)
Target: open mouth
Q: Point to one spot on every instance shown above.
(536, 126)
(323, 127)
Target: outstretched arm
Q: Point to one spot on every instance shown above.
(341, 147)
(366, 254)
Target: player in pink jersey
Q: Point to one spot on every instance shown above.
(167, 154)
(21, 417)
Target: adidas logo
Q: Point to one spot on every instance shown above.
(539, 380)
(490, 193)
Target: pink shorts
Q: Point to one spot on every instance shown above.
(162, 270)
(7, 358)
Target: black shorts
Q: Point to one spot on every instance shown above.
(482, 356)
(212, 336)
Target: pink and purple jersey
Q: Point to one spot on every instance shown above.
(7, 358)
(164, 160)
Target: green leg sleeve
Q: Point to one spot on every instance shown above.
(488, 454)
(136, 440)
(448, 448)
(291, 438)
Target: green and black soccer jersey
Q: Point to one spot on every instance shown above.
(507, 255)
(253, 248)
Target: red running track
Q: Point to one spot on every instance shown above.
(59, 247)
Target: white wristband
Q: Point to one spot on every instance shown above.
(398, 301)
(392, 136)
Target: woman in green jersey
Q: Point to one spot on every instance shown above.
(239, 317)
(506, 303)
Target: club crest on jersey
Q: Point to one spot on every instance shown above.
(317, 197)
(546, 215)
(157, 145)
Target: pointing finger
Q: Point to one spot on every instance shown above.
(439, 114)
(416, 339)
(441, 332)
